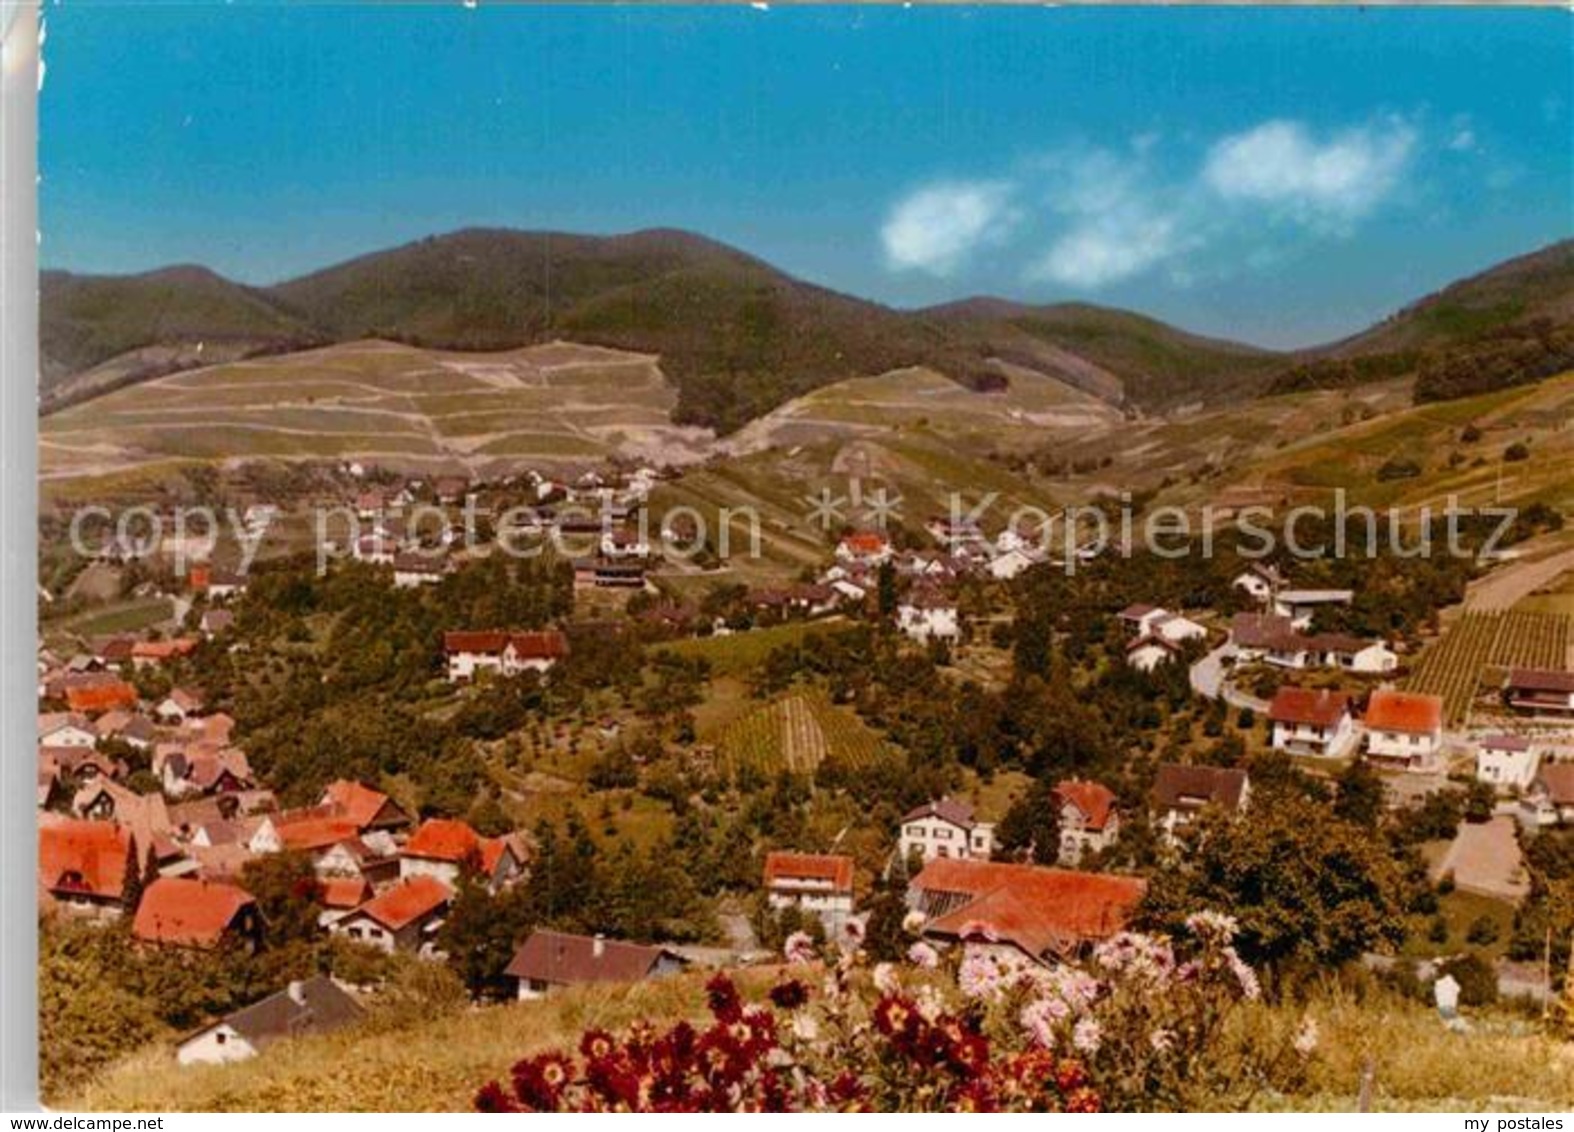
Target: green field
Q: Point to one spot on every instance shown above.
(797, 733)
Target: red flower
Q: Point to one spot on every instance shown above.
(1070, 1076)
(492, 1098)
(539, 1081)
(789, 995)
(722, 997)
(1084, 1100)
(597, 1043)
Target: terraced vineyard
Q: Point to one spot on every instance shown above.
(1528, 639)
(1454, 667)
(797, 733)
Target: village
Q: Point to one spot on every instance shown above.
(151, 813)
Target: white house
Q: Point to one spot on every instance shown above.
(504, 653)
(1156, 621)
(945, 828)
(927, 614)
(1181, 793)
(65, 729)
(1009, 563)
(412, 570)
(1089, 819)
(1259, 580)
(867, 547)
(1549, 800)
(405, 917)
(1147, 653)
(1312, 721)
(1300, 606)
(1404, 730)
(313, 1006)
(1506, 761)
(816, 884)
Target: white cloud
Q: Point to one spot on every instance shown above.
(1463, 141)
(1117, 225)
(935, 228)
(1338, 180)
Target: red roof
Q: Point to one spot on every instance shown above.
(360, 804)
(407, 901)
(315, 832)
(1039, 910)
(101, 696)
(1411, 712)
(492, 850)
(194, 913)
(443, 839)
(1094, 799)
(1558, 780)
(864, 542)
(345, 892)
(163, 650)
(542, 644)
(822, 867)
(1316, 707)
(89, 857)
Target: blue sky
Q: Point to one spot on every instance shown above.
(1278, 176)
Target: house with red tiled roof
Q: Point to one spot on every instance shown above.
(817, 884)
(174, 708)
(867, 548)
(470, 652)
(946, 828)
(1312, 721)
(405, 917)
(1404, 730)
(1045, 915)
(441, 848)
(1550, 798)
(100, 696)
(549, 960)
(369, 809)
(151, 654)
(85, 865)
(182, 912)
(340, 896)
(1089, 819)
(65, 729)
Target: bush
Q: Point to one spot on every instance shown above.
(1483, 930)
(1516, 452)
(1476, 978)
(1150, 1025)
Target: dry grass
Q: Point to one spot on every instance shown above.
(1503, 1064)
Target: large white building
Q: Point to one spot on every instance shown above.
(1506, 761)
(817, 884)
(1404, 730)
(946, 828)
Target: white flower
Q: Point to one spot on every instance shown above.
(1244, 975)
(799, 948)
(923, 955)
(1039, 1018)
(1162, 1041)
(930, 1004)
(913, 922)
(884, 978)
(804, 1027)
(1086, 1036)
(1305, 1042)
(1213, 927)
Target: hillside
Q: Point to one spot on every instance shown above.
(1538, 285)
(736, 336)
(1114, 354)
(435, 1063)
(86, 320)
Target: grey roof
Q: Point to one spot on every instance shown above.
(316, 1006)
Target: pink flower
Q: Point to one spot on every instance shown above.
(799, 948)
(923, 955)
(1086, 1036)
(1038, 1019)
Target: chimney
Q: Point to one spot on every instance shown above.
(297, 992)
(598, 946)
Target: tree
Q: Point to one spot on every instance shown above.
(1031, 827)
(1305, 885)
(287, 889)
(884, 938)
(1360, 795)
(481, 932)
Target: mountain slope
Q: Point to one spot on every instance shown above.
(736, 336)
(1538, 285)
(88, 319)
(1155, 366)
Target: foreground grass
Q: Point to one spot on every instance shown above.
(436, 1064)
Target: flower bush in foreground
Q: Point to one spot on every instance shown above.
(1145, 1023)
